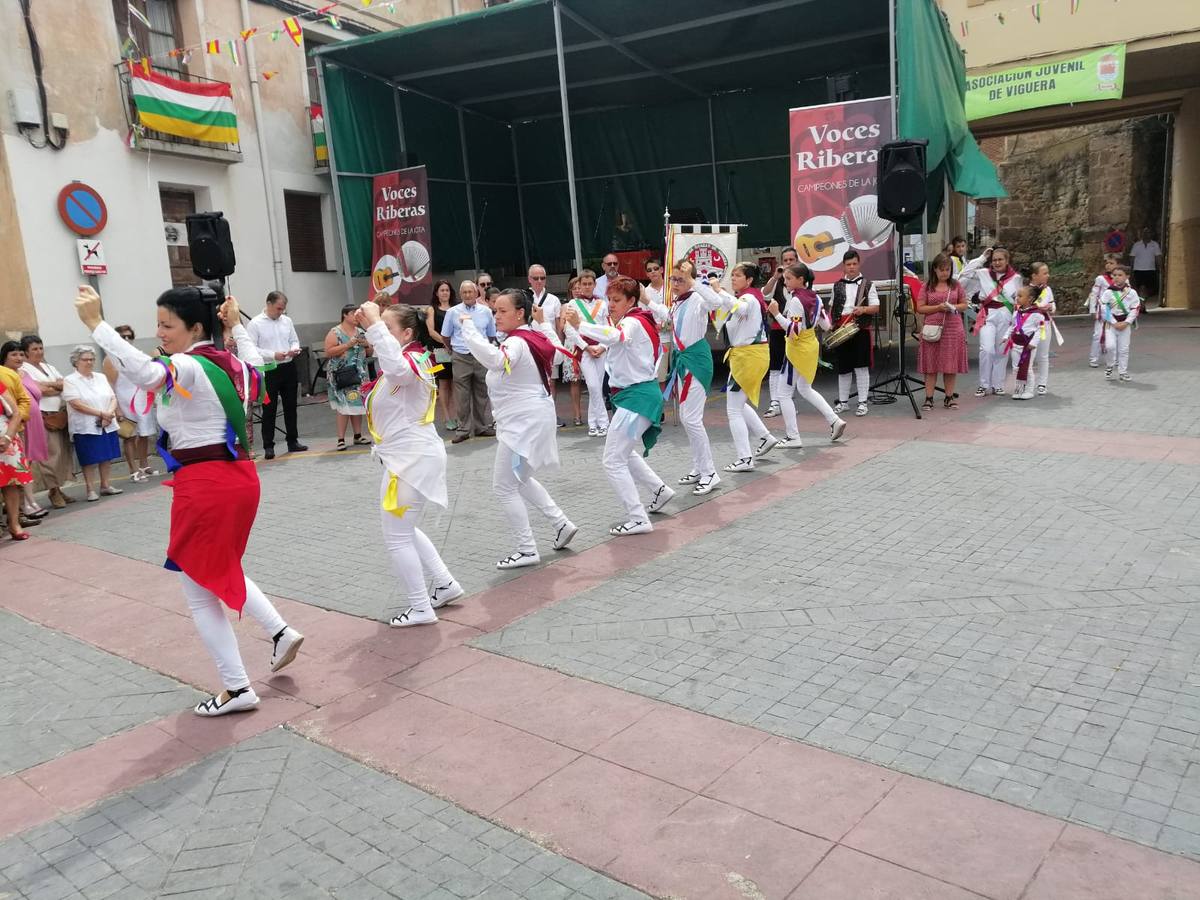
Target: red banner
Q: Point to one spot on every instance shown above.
(835, 150)
(402, 248)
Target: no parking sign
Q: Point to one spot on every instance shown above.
(82, 209)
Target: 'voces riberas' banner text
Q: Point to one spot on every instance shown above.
(1095, 75)
(401, 248)
(835, 150)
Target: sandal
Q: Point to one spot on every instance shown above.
(950, 402)
(928, 404)
(360, 441)
(341, 444)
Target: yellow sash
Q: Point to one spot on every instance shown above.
(391, 501)
(803, 351)
(749, 366)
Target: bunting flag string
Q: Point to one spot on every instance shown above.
(1035, 9)
(228, 45)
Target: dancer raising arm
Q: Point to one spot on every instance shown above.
(801, 316)
(632, 356)
(401, 406)
(518, 383)
(996, 283)
(202, 395)
(746, 324)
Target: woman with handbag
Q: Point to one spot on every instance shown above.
(943, 347)
(435, 315)
(56, 470)
(137, 424)
(33, 436)
(346, 349)
(202, 395)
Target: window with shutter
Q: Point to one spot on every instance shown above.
(177, 205)
(306, 231)
(159, 39)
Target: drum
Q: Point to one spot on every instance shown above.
(841, 334)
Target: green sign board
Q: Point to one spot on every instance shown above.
(1095, 75)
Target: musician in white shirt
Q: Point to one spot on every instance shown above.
(275, 337)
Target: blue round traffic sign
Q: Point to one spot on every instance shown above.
(82, 209)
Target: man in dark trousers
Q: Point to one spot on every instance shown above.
(275, 336)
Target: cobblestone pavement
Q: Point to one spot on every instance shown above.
(1000, 598)
(281, 817)
(1037, 642)
(58, 694)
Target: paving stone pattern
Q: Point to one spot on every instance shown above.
(58, 694)
(278, 817)
(1023, 625)
(317, 539)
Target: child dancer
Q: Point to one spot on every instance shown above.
(996, 283)
(1024, 336)
(1044, 298)
(801, 316)
(591, 354)
(1103, 282)
(633, 350)
(777, 337)
(1119, 308)
(854, 299)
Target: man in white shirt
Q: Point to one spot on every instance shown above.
(551, 306)
(611, 264)
(1144, 256)
(275, 336)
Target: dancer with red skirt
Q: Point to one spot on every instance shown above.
(203, 395)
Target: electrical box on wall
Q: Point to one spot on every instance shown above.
(23, 105)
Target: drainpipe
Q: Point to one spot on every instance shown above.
(263, 159)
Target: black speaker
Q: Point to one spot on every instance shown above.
(902, 180)
(210, 246)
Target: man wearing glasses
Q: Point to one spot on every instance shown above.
(550, 306)
(610, 264)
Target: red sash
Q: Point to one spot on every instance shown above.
(647, 319)
(543, 352)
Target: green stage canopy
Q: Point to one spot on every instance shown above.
(679, 103)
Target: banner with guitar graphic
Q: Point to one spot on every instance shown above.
(401, 244)
(834, 206)
(712, 249)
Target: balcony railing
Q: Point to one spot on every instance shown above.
(161, 140)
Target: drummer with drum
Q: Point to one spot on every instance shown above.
(855, 304)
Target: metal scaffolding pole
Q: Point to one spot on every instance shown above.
(337, 190)
(566, 124)
(712, 151)
(520, 199)
(462, 136)
(400, 126)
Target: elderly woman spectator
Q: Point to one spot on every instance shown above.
(56, 470)
(92, 419)
(14, 466)
(34, 436)
(137, 422)
(346, 348)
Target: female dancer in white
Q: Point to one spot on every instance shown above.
(631, 360)
(995, 284)
(800, 317)
(401, 407)
(215, 484)
(591, 354)
(747, 326)
(518, 383)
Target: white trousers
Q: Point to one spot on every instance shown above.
(624, 465)
(413, 556)
(691, 415)
(593, 374)
(743, 421)
(216, 631)
(862, 376)
(993, 361)
(1116, 349)
(777, 385)
(787, 405)
(1097, 330)
(513, 494)
(1041, 359)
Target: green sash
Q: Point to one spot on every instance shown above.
(695, 360)
(645, 399)
(222, 384)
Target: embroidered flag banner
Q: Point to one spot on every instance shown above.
(712, 249)
(201, 111)
(316, 116)
(835, 150)
(401, 245)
